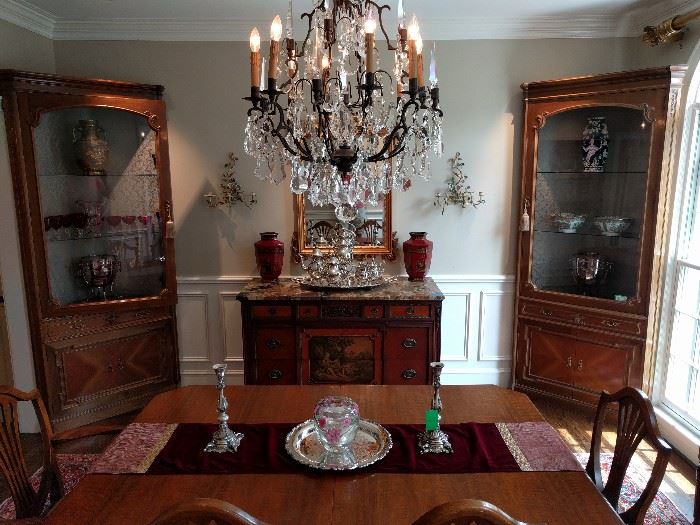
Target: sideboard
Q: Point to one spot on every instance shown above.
(296, 335)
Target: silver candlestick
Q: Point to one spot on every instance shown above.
(224, 439)
(435, 441)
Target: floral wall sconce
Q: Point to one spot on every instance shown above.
(231, 191)
(458, 191)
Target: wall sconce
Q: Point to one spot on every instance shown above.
(231, 191)
(458, 191)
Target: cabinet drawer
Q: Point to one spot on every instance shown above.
(76, 326)
(373, 311)
(271, 311)
(308, 311)
(410, 310)
(275, 372)
(404, 372)
(275, 343)
(406, 343)
(599, 321)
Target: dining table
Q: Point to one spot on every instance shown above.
(313, 496)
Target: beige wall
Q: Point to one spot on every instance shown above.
(22, 49)
(480, 93)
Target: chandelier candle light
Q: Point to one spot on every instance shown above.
(345, 117)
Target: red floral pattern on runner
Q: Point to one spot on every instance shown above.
(540, 445)
(134, 449)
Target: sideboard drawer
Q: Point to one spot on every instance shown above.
(405, 372)
(410, 311)
(275, 372)
(308, 311)
(406, 343)
(373, 311)
(275, 343)
(271, 311)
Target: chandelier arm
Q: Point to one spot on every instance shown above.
(308, 33)
(389, 45)
(391, 139)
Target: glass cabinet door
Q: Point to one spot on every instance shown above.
(590, 190)
(100, 200)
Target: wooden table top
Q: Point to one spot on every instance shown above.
(559, 498)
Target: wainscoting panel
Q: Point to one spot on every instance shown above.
(477, 324)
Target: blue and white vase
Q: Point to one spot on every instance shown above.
(594, 146)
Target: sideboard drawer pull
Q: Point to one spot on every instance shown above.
(273, 343)
(610, 323)
(409, 373)
(545, 312)
(410, 310)
(409, 342)
(275, 374)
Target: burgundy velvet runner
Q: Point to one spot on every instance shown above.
(478, 447)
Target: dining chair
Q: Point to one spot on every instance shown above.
(466, 512)
(33, 495)
(205, 511)
(635, 421)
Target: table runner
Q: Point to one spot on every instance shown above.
(157, 448)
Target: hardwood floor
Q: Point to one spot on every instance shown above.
(573, 424)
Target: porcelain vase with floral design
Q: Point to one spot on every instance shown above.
(594, 146)
(417, 254)
(269, 256)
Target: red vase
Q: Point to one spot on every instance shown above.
(417, 254)
(269, 256)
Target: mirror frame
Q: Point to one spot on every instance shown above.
(388, 249)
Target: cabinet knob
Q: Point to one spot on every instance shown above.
(409, 373)
(273, 343)
(410, 310)
(375, 311)
(610, 323)
(274, 374)
(579, 367)
(409, 342)
(545, 312)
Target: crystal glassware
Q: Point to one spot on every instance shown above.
(336, 419)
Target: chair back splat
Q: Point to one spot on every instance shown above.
(635, 421)
(28, 502)
(205, 511)
(466, 512)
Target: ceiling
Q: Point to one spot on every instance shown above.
(232, 19)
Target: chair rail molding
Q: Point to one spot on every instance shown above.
(477, 320)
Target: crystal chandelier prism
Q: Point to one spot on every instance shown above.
(338, 119)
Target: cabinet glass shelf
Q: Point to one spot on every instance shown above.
(632, 236)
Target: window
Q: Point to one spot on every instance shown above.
(679, 389)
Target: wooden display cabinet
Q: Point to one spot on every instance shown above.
(91, 180)
(294, 335)
(597, 155)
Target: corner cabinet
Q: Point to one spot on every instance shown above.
(295, 335)
(596, 174)
(91, 181)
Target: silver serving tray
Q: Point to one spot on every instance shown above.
(372, 442)
(353, 285)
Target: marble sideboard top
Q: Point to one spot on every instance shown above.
(287, 290)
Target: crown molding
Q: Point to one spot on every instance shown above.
(27, 16)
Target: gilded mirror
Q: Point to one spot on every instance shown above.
(313, 224)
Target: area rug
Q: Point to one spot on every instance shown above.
(662, 511)
(72, 468)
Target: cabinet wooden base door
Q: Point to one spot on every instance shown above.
(574, 363)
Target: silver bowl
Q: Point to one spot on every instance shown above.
(612, 226)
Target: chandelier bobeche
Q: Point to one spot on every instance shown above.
(346, 117)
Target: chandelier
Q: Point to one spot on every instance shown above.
(346, 117)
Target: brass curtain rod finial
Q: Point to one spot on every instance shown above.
(664, 33)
